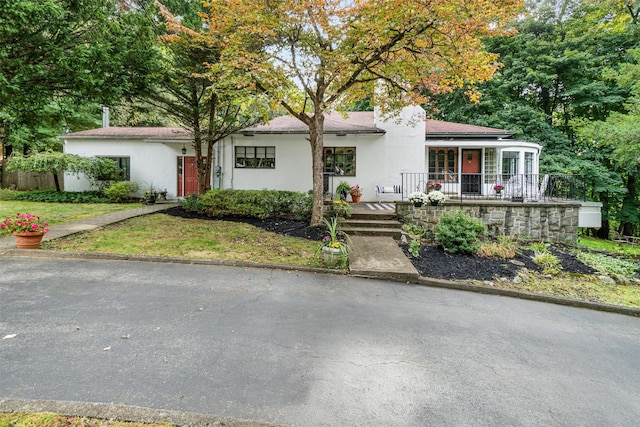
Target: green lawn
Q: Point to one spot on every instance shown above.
(165, 235)
(55, 420)
(609, 246)
(56, 213)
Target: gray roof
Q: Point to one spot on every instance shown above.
(359, 122)
(356, 122)
(161, 133)
(440, 129)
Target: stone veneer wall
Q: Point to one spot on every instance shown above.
(539, 221)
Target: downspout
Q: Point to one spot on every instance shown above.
(233, 160)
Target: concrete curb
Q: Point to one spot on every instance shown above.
(120, 412)
(42, 253)
(629, 311)
(423, 281)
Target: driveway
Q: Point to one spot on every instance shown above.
(308, 349)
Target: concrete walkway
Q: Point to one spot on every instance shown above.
(72, 227)
(380, 257)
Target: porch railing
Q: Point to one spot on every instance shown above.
(513, 187)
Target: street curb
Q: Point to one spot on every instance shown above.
(629, 311)
(43, 253)
(423, 281)
(120, 412)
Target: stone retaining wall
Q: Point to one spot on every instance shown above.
(539, 221)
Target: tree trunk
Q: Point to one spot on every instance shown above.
(200, 171)
(208, 159)
(56, 181)
(629, 214)
(316, 130)
(603, 232)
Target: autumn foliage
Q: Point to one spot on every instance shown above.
(313, 56)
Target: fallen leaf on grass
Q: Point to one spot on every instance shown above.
(6, 337)
(106, 348)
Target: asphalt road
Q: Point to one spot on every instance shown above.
(308, 349)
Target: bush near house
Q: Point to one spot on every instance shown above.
(457, 231)
(256, 204)
(120, 191)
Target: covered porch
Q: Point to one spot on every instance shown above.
(497, 186)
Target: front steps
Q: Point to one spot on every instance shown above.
(371, 222)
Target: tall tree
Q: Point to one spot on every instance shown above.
(553, 77)
(314, 56)
(191, 87)
(620, 134)
(55, 51)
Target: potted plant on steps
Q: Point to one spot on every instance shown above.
(342, 190)
(27, 229)
(334, 246)
(356, 193)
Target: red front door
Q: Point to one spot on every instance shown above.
(187, 176)
(471, 168)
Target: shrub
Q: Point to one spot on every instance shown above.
(192, 203)
(257, 204)
(458, 232)
(120, 191)
(62, 196)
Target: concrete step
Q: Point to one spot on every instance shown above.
(395, 233)
(370, 223)
(374, 215)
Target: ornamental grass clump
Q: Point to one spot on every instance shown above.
(24, 223)
(334, 246)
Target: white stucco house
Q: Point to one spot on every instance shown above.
(395, 156)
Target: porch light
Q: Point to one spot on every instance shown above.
(184, 150)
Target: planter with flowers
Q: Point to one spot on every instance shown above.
(334, 246)
(27, 229)
(436, 186)
(436, 197)
(418, 198)
(356, 193)
(498, 189)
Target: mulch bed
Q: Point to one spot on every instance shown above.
(433, 260)
(286, 227)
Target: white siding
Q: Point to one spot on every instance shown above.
(380, 158)
(151, 163)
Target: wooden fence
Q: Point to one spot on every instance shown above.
(29, 181)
